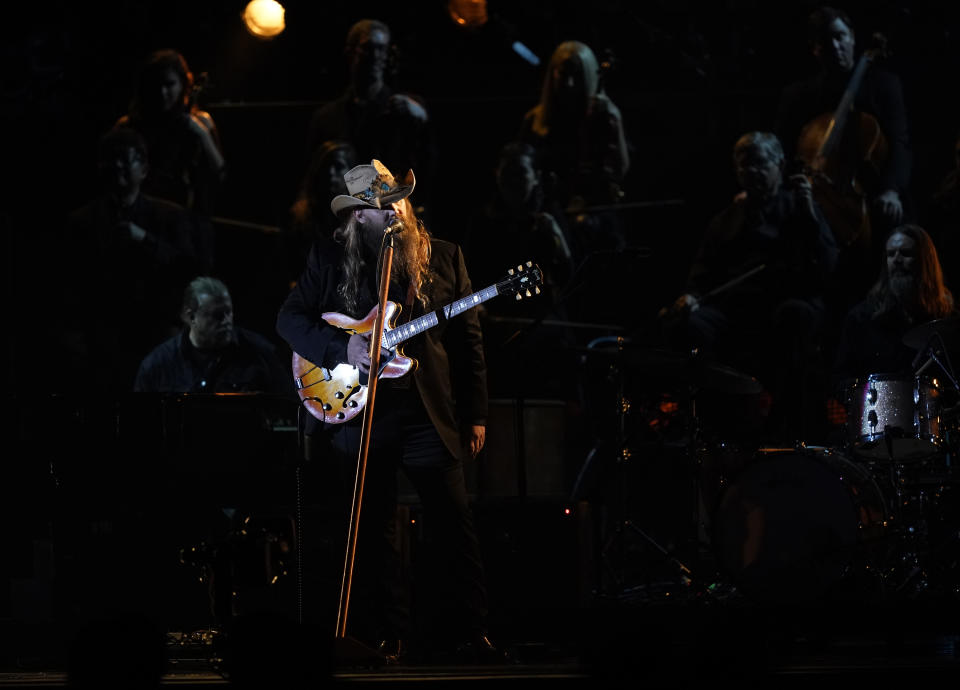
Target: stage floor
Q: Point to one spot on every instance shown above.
(661, 637)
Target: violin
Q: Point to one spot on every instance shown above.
(842, 153)
(201, 83)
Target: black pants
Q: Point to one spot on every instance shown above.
(449, 569)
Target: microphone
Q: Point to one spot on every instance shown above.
(394, 228)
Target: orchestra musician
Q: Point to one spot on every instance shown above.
(211, 354)
(123, 236)
(908, 293)
(186, 156)
(754, 292)
(862, 180)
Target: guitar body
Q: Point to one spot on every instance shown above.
(339, 394)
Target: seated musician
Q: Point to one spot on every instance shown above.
(908, 315)
(865, 179)
(428, 422)
(122, 236)
(909, 293)
(754, 291)
(880, 95)
(211, 354)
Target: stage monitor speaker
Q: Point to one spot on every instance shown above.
(525, 451)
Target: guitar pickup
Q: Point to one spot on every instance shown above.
(312, 376)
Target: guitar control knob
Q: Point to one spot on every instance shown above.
(338, 395)
(353, 403)
(340, 415)
(327, 407)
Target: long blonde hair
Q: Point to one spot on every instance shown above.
(583, 58)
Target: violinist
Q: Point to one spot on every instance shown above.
(187, 165)
(578, 134)
(879, 158)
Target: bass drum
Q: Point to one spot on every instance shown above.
(796, 525)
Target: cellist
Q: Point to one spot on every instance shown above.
(880, 94)
(873, 146)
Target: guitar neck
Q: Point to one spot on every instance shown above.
(395, 336)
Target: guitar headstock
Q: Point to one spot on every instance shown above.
(523, 281)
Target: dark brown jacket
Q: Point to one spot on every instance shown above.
(451, 377)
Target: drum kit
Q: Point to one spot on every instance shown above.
(872, 517)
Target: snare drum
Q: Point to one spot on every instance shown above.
(795, 524)
(894, 417)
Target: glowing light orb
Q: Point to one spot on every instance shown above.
(264, 18)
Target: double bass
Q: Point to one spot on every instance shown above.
(842, 153)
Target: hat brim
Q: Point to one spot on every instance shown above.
(342, 202)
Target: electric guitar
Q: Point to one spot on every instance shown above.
(338, 394)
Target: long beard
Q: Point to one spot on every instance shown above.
(904, 288)
(405, 246)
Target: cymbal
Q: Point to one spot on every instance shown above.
(919, 337)
(660, 364)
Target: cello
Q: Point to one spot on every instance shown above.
(841, 153)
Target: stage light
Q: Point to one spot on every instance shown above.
(264, 18)
(471, 14)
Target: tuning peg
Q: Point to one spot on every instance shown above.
(510, 272)
(536, 290)
(529, 264)
(520, 268)
(519, 297)
(528, 292)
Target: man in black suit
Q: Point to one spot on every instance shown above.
(427, 423)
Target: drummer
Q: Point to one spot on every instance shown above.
(884, 332)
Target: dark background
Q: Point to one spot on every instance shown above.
(689, 78)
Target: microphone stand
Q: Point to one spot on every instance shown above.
(376, 339)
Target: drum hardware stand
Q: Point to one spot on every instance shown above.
(907, 567)
(622, 522)
(930, 352)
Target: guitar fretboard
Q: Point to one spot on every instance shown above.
(394, 337)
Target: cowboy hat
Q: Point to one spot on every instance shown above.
(372, 186)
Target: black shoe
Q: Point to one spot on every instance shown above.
(479, 649)
(393, 650)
